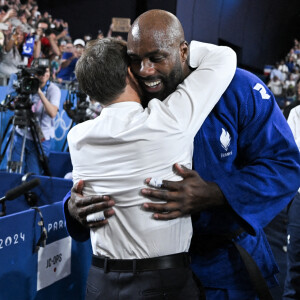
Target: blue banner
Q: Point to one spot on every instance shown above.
(20, 230)
(28, 46)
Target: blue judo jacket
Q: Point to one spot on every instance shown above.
(246, 146)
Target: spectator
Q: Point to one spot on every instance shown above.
(87, 37)
(291, 63)
(12, 55)
(34, 12)
(292, 54)
(298, 61)
(283, 69)
(60, 29)
(62, 46)
(100, 34)
(276, 86)
(69, 60)
(296, 101)
(295, 74)
(46, 42)
(289, 86)
(277, 72)
(55, 66)
(7, 14)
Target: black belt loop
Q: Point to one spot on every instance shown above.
(105, 268)
(134, 266)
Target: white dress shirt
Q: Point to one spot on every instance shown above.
(115, 152)
(294, 123)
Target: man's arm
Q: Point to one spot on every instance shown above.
(190, 195)
(76, 207)
(53, 42)
(201, 91)
(194, 99)
(266, 177)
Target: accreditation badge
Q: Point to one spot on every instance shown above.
(54, 262)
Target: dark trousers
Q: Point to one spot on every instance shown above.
(292, 282)
(173, 284)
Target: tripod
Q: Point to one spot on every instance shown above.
(23, 118)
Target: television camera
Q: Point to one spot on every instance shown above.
(25, 85)
(77, 104)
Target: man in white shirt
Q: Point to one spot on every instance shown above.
(127, 143)
(291, 286)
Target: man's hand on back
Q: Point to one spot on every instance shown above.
(188, 196)
(80, 206)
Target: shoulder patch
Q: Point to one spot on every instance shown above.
(259, 87)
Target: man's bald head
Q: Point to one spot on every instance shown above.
(160, 25)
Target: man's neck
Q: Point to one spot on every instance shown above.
(128, 95)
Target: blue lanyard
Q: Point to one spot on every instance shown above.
(45, 88)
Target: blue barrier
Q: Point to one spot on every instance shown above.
(60, 163)
(58, 271)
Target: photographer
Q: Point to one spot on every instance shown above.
(46, 45)
(45, 107)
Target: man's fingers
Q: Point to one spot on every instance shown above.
(167, 216)
(78, 188)
(90, 200)
(107, 214)
(170, 185)
(182, 171)
(161, 207)
(165, 184)
(162, 195)
(97, 224)
(90, 209)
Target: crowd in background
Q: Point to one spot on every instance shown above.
(284, 79)
(27, 34)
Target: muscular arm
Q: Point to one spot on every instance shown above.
(76, 207)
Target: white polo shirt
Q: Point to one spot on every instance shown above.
(115, 152)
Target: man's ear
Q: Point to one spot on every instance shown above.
(131, 77)
(184, 51)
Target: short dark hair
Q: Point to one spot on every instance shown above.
(102, 69)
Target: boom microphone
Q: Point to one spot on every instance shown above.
(20, 190)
